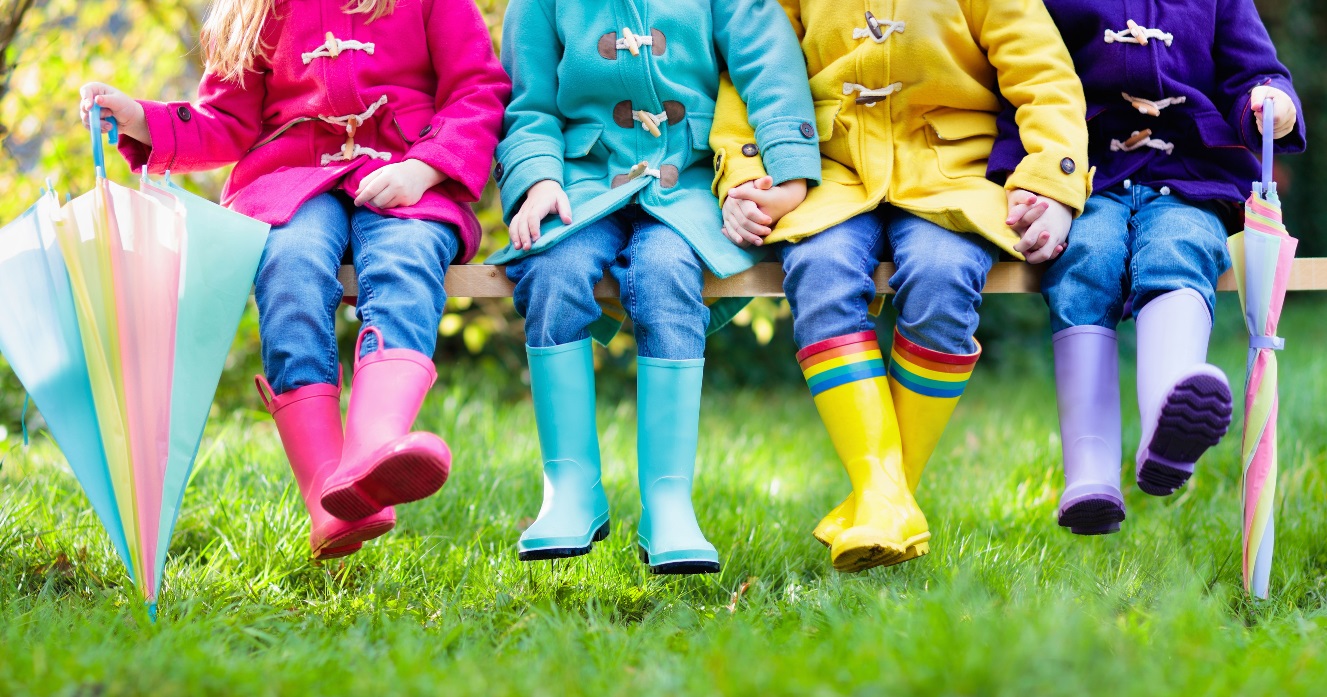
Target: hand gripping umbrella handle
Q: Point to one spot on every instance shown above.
(1268, 137)
(94, 125)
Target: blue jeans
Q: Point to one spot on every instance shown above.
(1135, 240)
(400, 265)
(937, 281)
(659, 274)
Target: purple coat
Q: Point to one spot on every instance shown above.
(1201, 56)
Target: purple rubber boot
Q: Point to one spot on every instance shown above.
(1184, 402)
(1087, 385)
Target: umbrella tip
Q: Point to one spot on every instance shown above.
(152, 611)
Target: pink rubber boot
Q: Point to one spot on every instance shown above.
(309, 421)
(383, 463)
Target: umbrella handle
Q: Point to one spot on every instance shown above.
(94, 125)
(1268, 128)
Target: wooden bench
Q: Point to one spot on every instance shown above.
(766, 280)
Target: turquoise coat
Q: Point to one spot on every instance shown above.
(581, 100)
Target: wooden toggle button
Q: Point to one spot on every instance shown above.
(1138, 138)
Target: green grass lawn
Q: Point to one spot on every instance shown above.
(1006, 604)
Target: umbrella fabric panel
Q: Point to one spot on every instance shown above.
(1260, 468)
(220, 260)
(83, 229)
(145, 245)
(39, 336)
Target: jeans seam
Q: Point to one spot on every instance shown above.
(869, 265)
(333, 360)
(365, 289)
(630, 305)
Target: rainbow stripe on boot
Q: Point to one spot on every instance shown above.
(930, 373)
(840, 364)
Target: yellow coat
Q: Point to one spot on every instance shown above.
(924, 146)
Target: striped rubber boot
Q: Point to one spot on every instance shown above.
(925, 387)
(847, 378)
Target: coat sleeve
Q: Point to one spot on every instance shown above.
(215, 132)
(472, 89)
(766, 67)
(735, 127)
(1037, 77)
(1245, 58)
(532, 147)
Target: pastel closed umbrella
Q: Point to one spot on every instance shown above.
(39, 336)
(122, 306)
(1262, 255)
(123, 252)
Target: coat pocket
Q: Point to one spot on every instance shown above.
(698, 126)
(280, 131)
(414, 124)
(698, 130)
(827, 113)
(1214, 132)
(578, 141)
(962, 140)
(584, 156)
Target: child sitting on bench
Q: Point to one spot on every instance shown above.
(367, 124)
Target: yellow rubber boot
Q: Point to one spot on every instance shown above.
(847, 377)
(925, 386)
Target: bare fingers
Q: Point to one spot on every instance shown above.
(1040, 249)
(735, 224)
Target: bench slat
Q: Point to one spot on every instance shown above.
(766, 280)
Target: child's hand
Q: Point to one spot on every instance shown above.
(1043, 224)
(1024, 209)
(398, 184)
(1283, 109)
(754, 207)
(744, 223)
(127, 112)
(544, 198)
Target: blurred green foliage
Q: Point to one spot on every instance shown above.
(149, 48)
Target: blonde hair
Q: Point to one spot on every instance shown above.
(233, 33)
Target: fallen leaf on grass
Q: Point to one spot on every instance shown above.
(741, 591)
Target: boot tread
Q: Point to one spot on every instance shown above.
(402, 477)
(1094, 516)
(1194, 418)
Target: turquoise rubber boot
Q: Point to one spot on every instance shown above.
(575, 511)
(668, 422)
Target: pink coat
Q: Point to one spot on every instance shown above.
(423, 82)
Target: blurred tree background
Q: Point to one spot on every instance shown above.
(149, 48)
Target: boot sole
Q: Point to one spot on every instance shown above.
(401, 478)
(678, 568)
(866, 557)
(1195, 417)
(1093, 516)
(565, 552)
(351, 541)
(824, 536)
(336, 552)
